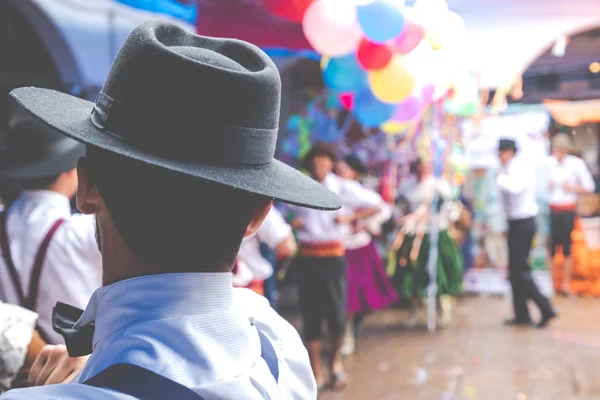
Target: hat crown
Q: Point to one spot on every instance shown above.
(169, 87)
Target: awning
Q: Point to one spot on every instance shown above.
(83, 36)
(574, 113)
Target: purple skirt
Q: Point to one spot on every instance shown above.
(369, 287)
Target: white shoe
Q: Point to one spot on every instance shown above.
(349, 344)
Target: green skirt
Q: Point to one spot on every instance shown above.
(411, 280)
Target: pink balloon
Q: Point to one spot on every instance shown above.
(411, 35)
(347, 100)
(407, 109)
(427, 91)
(331, 27)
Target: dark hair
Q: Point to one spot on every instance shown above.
(416, 166)
(319, 150)
(355, 163)
(38, 183)
(171, 221)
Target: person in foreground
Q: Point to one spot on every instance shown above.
(178, 170)
(517, 186)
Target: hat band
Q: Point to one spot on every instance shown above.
(222, 144)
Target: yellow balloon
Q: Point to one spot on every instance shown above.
(324, 62)
(393, 127)
(393, 83)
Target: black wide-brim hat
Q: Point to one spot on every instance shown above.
(34, 150)
(205, 107)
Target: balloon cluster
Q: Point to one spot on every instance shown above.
(388, 61)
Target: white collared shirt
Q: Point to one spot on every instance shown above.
(357, 239)
(195, 329)
(516, 182)
(573, 171)
(73, 267)
(272, 232)
(321, 226)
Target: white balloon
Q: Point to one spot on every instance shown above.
(431, 6)
(331, 27)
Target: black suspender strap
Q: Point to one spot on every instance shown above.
(144, 384)
(30, 301)
(140, 383)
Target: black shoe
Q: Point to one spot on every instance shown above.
(546, 319)
(518, 322)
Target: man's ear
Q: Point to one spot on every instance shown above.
(257, 219)
(88, 197)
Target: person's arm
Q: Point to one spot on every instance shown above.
(584, 179)
(513, 181)
(277, 234)
(366, 203)
(287, 247)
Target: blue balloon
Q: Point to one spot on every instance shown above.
(371, 112)
(381, 20)
(345, 74)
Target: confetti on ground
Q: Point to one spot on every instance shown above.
(383, 367)
(470, 391)
(420, 376)
(431, 358)
(447, 396)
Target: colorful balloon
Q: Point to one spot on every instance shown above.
(381, 20)
(347, 100)
(411, 34)
(369, 111)
(393, 128)
(345, 74)
(393, 83)
(445, 30)
(408, 109)
(372, 55)
(431, 6)
(331, 27)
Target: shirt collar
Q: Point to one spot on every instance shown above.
(156, 297)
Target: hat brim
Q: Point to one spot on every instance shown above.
(276, 180)
(55, 165)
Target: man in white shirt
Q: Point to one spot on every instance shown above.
(321, 267)
(517, 186)
(178, 170)
(46, 254)
(568, 177)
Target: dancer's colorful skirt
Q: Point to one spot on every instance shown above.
(369, 287)
(411, 278)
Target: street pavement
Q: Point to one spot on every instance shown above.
(477, 358)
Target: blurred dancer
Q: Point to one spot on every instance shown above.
(369, 287)
(568, 178)
(48, 255)
(412, 244)
(321, 267)
(277, 235)
(517, 185)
